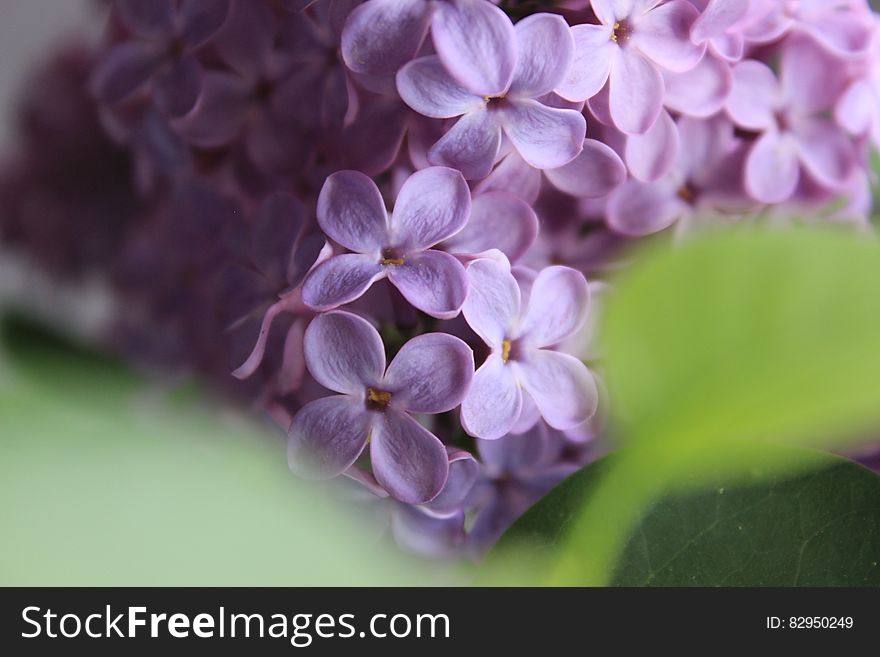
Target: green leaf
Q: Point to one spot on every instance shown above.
(106, 479)
(769, 335)
(816, 528)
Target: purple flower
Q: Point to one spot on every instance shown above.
(523, 376)
(788, 113)
(706, 177)
(858, 109)
(432, 206)
(502, 102)
(380, 36)
(634, 42)
(720, 25)
(167, 33)
(430, 374)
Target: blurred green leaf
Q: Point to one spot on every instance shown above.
(818, 528)
(106, 480)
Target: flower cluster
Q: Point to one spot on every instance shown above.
(381, 216)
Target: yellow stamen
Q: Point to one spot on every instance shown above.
(505, 351)
(392, 261)
(378, 397)
(614, 32)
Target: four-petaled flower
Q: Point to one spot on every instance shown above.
(433, 205)
(430, 374)
(523, 378)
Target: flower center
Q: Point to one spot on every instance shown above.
(687, 193)
(505, 350)
(391, 256)
(494, 102)
(378, 400)
(621, 33)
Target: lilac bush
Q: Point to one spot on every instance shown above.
(288, 195)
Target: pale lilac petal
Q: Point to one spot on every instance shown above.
(327, 436)
(730, 47)
(663, 35)
(600, 105)
(857, 107)
(433, 204)
(408, 460)
(545, 49)
(772, 170)
(499, 220)
(561, 386)
(146, 18)
(492, 307)
(477, 43)
(275, 233)
(592, 174)
(220, 112)
(635, 92)
(718, 17)
(494, 402)
(754, 96)
(702, 91)
(432, 281)
(844, 33)
(528, 416)
(340, 280)
(430, 374)
(515, 453)
(639, 209)
(380, 36)
(177, 85)
(608, 11)
(590, 64)
(545, 137)
(471, 145)
(515, 176)
(812, 79)
(344, 353)
(255, 358)
(351, 211)
(425, 86)
(463, 473)
(704, 143)
(427, 534)
(825, 152)
(650, 156)
(558, 306)
(123, 70)
(201, 19)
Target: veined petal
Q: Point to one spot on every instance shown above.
(772, 170)
(544, 136)
(433, 204)
(494, 402)
(650, 156)
(499, 220)
(351, 211)
(426, 86)
(471, 145)
(344, 352)
(327, 436)
(561, 386)
(432, 281)
(663, 35)
(492, 307)
(380, 36)
(754, 96)
(545, 48)
(590, 64)
(638, 209)
(340, 280)
(636, 92)
(592, 174)
(558, 306)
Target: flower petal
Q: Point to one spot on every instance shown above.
(432, 281)
(544, 136)
(177, 85)
(492, 307)
(663, 34)
(430, 374)
(494, 402)
(340, 280)
(476, 43)
(344, 353)
(408, 460)
(558, 306)
(590, 64)
(635, 92)
(327, 436)
(592, 174)
(425, 86)
(812, 79)
(380, 36)
(471, 145)
(201, 19)
(351, 211)
(825, 152)
(220, 112)
(717, 18)
(499, 220)
(463, 473)
(123, 70)
(544, 53)
(561, 386)
(651, 155)
(638, 209)
(514, 176)
(772, 170)
(702, 91)
(433, 204)
(247, 37)
(146, 19)
(754, 95)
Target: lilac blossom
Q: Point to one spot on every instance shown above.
(433, 205)
(430, 374)
(166, 34)
(523, 376)
(505, 104)
(720, 25)
(788, 114)
(858, 109)
(627, 51)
